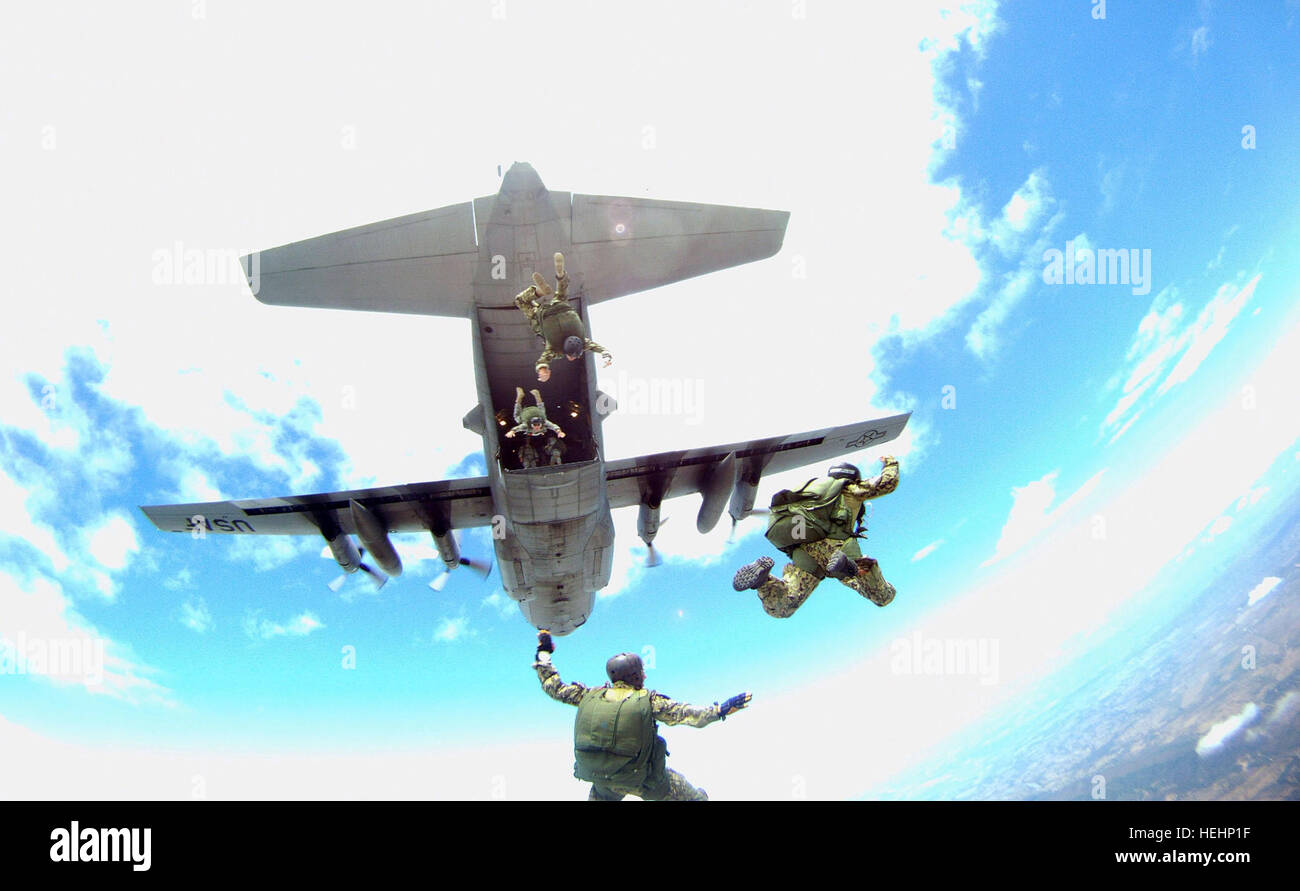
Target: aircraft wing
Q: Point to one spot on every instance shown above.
(450, 504)
(625, 245)
(651, 478)
(422, 263)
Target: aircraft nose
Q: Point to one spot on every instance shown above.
(521, 178)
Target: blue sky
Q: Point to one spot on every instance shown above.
(1061, 433)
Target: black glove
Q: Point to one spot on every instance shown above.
(739, 701)
(544, 642)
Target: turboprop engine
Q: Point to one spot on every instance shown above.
(373, 534)
(715, 489)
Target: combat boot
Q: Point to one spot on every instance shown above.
(841, 566)
(751, 576)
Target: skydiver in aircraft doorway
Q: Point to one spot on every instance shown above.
(539, 433)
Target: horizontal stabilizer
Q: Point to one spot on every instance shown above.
(422, 263)
(625, 245)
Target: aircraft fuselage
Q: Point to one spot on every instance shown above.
(554, 536)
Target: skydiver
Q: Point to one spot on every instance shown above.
(555, 321)
(817, 527)
(531, 420)
(615, 737)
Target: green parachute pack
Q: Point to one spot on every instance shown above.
(614, 740)
(811, 513)
(528, 412)
(559, 321)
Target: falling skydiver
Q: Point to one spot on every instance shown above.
(817, 526)
(616, 743)
(555, 321)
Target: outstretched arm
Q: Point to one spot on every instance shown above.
(552, 685)
(670, 711)
(880, 485)
(594, 347)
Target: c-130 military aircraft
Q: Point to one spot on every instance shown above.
(552, 528)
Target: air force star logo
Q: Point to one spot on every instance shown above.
(865, 438)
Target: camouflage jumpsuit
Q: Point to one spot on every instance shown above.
(780, 598)
(674, 787)
(529, 303)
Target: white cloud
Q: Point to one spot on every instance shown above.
(16, 520)
(1200, 40)
(1251, 498)
(1209, 328)
(1020, 234)
(1162, 337)
(1112, 182)
(1023, 212)
(507, 606)
(1218, 527)
(38, 614)
(262, 552)
(113, 542)
(453, 629)
(297, 626)
(197, 486)
(196, 616)
(181, 580)
(37, 767)
(1029, 516)
(927, 550)
(1262, 590)
(1226, 730)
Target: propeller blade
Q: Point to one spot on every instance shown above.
(375, 575)
(338, 583)
(652, 557)
(754, 512)
(483, 568)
